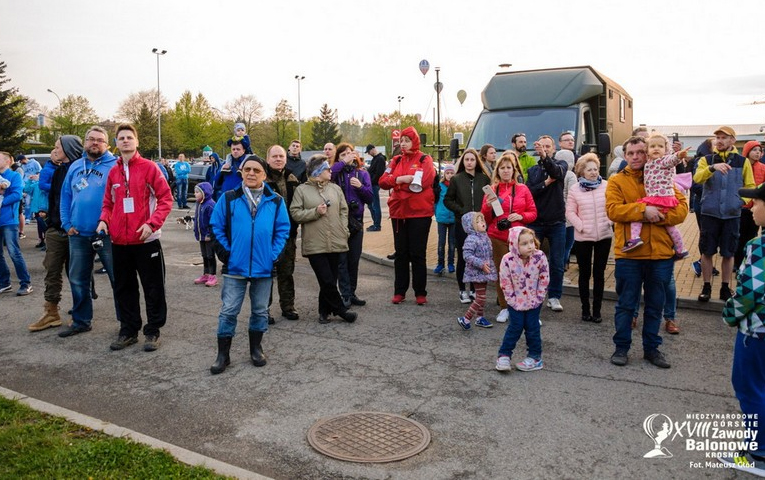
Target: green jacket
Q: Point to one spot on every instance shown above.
(526, 161)
(326, 233)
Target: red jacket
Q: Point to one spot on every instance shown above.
(152, 200)
(402, 202)
(522, 203)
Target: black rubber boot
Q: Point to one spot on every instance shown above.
(223, 359)
(256, 352)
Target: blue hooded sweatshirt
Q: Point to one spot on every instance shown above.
(82, 193)
(203, 212)
(9, 211)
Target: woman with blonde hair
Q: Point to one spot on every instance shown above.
(518, 210)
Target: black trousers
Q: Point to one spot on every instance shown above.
(144, 262)
(592, 267)
(747, 231)
(324, 266)
(410, 237)
(208, 257)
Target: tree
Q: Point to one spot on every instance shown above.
(326, 129)
(283, 115)
(246, 109)
(74, 115)
(140, 109)
(13, 114)
(192, 124)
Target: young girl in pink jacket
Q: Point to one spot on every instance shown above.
(524, 276)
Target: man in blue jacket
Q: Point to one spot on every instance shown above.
(181, 170)
(10, 196)
(251, 226)
(82, 194)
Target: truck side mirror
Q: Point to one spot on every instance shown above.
(454, 148)
(604, 144)
(423, 138)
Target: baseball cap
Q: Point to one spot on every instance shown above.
(726, 130)
(758, 192)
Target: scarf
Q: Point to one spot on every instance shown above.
(588, 185)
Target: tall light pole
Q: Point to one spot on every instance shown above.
(399, 111)
(159, 52)
(59, 101)
(298, 78)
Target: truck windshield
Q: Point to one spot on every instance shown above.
(497, 128)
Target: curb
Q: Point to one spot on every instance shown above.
(573, 291)
(181, 454)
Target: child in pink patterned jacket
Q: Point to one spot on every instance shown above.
(524, 276)
(659, 181)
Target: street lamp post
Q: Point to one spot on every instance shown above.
(298, 78)
(59, 102)
(399, 111)
(159, 52)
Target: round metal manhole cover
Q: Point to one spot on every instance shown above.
(368, 437)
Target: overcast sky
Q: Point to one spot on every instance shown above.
(683, 62)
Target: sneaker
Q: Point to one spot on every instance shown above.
(529, 365)
(464, 297)
(619, 357)
(483, 323)
(40, 244)
(392, 256)
(696, 268)
(21, 235)
(471, 294)
(715, 272)
(438, 270)
(503, 364)
(6, 288)
(503, 316)
(681, 255)
(706, 293)
(121, 342)
(357, 301)
(151, 343)
(725, 293)
(212, 280)
(101, 270)
(554, 304)
(465, 324)
(25, 290)
(632, 244)
(451, 268)
(74, 330)
(745, 462)
(657, 358)
(397, 299)
(421, 299)
(202, 279)
(374, 228)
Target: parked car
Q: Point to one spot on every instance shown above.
(42, 158)
(197, 175)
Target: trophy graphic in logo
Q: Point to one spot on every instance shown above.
(658, 436)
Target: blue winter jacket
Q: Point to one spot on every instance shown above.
(203, 212)
(81, 207)
(181, 170)
(229, 179)
(443, 214)
(9, 211)
(254, 245)
(46, 176)
(39, 199)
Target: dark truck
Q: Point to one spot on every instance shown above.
(580, 100)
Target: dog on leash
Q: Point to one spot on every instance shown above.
(186, 220)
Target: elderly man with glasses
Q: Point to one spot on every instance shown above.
(81, 196)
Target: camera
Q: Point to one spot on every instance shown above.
(327, 203)
(97, 240)
(503, 224)
(353, 205)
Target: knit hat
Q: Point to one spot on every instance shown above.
(237, 126)
(567, 156)
(72, 146)
(449, 167)
(253, 158)
(749, 146)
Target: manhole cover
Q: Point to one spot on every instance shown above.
(368, 437)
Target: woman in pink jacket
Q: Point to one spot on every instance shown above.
(586, 210)
(518, 210)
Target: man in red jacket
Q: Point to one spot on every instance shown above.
(137, 201)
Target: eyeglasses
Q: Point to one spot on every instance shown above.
(95, 140)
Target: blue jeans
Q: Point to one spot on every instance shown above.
(446, 231)
(374, 209)
(569, 242)
(81, 257)
(556, 236)
(653, 276)
(9, 237)
(523, 322)
(182, 191)
(232, 296)
(670, 300)
(748, 379)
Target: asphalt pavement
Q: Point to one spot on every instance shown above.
(580, 417)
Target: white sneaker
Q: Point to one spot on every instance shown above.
(503, 364)
(464, 297)
(555, 305)
(529, 365)
(504, 314)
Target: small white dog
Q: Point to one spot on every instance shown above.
(187, 220)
